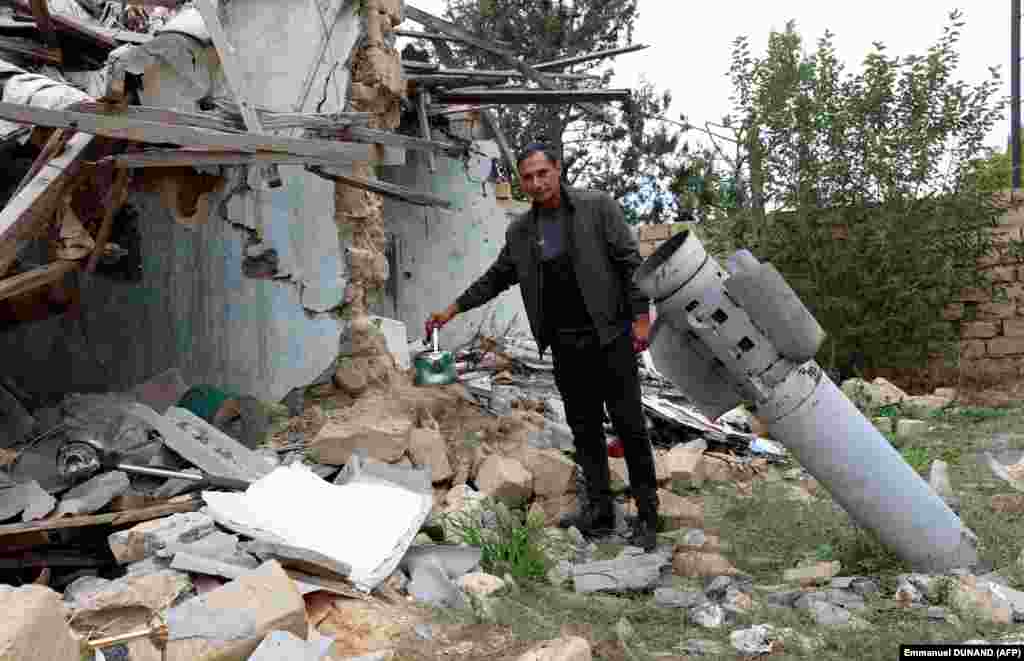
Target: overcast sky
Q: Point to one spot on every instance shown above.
(691, 43)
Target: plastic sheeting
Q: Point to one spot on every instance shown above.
(366, 524)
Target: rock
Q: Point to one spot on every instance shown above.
(701, 647)
(193, 564)
(865, 586)
(428, 448)
(829, 615)
(686, 461)
(1007, 503)
(93, 494)
(461, 495)
(553, 509)
(784, 599)
(229, 623)
(481, 584)
(560, 573)
(570, 648)
(939, 481)
(968, 595)
(737, 601)
(937, 613)
(946, 393)
(555, 410)
(909, 428)
(924, 406)
(818, 572)
(717, 587)
(28, 499)
(633, 573)
(504, 479)
(382, 432)
(754, 641)
(883, 424)
(696, 563)
(907, 594)
(671, 598)
(875, 394)
(847, 599)
(286, 646)
(708, 615)
(679, 512)
(553, 474)
(152, 592)
(34, 626)
(147, 538)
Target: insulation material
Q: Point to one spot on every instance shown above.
(366, 524)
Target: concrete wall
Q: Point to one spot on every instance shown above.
(440, 252)
(194, 308)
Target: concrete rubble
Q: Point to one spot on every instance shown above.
(34, 625)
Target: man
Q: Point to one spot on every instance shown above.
(574, 256)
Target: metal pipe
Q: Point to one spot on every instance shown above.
(727, 337)
(1015, 90)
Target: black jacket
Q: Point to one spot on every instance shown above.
(604, 253)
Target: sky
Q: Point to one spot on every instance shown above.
(691, 43)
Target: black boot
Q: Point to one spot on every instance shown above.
(645, 526)
(594, 518)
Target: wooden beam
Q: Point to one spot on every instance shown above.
(54, 145)
(117, 194)
(384, 188)
(431, 36)
(33, 206)
(126, 128)
(496, 74)
(170, 158)
(436, 24)
(422, 102)
(596, 55)
(189, 504)
(523, 95)
(22, 283)
(499, 136)
(101, 37)
(227, 120)
(41, 14)
(377, 136)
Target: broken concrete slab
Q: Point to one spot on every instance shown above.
(305, 560)
(285, 646)
(194, 564)
(456, 561)
(153, 592)
(28, 499)
(383, 434)
(210, 449)
(149, 537)
(427, 448)
(219, 546)
(629, 574)
(431, 584)
(94, 494)
(504, 479)
(35, 626)
(229, 623)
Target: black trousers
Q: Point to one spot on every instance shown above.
(589, 377)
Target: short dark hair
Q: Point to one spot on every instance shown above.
(538, 148)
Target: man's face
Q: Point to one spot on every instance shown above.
(540, 178)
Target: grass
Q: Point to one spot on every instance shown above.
(768, 533)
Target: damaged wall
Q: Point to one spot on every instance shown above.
(194, 308)
(440, 252)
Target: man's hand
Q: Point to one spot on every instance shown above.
(641, 333)
(439, 319)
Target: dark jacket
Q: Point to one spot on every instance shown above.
(604, 253)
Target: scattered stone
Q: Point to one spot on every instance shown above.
(829, 615)
(293, 557)
(671, 598)
(384, 434)
(785, 599)
(28, 499)
(427, 447)
(554, 508)
(137, 594)
(819, 572)
(874, 394)
(699, 564)
(686, 461)
(148, 538)
(847, 599)
(736, 600)
(1007, 503)
(865, 586)
(717, 587)
(924, 406)
(286, 646)
(907, 594)
(571, 648)
(701, 647)
(634, 573)
(230, 622)
(755, 640)
(481, 583)
(553, 474)
(34, 626)
(198, 565)
(424, 631)
(94, 494)
(937, 613)
(678, 512)
(505, 479)
(909, 428)
(707, 615)
(984, 599)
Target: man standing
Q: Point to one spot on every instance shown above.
(573, 257)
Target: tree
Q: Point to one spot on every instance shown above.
(860, 187)
(632, 155)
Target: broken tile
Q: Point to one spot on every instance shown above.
(34, 626)
(93, 494)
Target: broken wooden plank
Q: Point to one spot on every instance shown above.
(34, 205)
(442, 110)
(227, 120)
(427, 80)
(101, 37)
(41, 14)
(522, 95)
(35, 278)
(54, 145)
(384, 188)
(169, 158)
(31, 50)
(487, 74)
(126, 128)
(174, 506)
(422, 102)
(596, 55)
(436, 24)
(431, 36)
(377, 136)
(117, 194)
